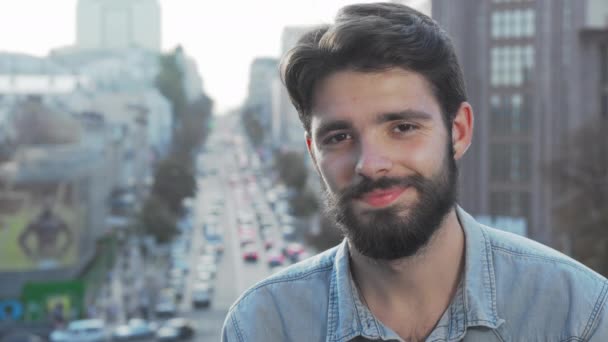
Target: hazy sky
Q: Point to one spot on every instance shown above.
(222, 36)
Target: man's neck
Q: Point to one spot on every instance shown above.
(409, 295)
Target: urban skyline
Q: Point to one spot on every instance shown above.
(213, 33)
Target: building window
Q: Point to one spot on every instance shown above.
(495, 24)
(516, 114)
(510, 162)
(529, 23)
(528, 64)
(497, 121)
(512, 204)
(604, 81)
(510, 115)
(511, 65)
(519, 23)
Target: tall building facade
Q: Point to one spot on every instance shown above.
(287, 126)
(262, 73)
(118, 24)
(535, 70)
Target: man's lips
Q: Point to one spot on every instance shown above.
(382, 198)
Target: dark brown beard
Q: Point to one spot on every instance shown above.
(389, 233)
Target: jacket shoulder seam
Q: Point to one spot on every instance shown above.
(236, 328)
(597, 310)
(282, 279)
(543, 258)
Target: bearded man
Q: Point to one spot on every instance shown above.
(381, 97)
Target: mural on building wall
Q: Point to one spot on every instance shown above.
(40, 225)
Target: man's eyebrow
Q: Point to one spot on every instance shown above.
(407, 114)
(327, 127)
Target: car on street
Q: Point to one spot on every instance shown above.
(218, 247)
(167, 334)
(292, 250)
(136, 329)
(175, 272)
(59, 335)
(181, 263)
(207, 267)
(288, 232)
(250, 254)
(206, 259)
(246, 237)
(246, 217)
(165, 309)
(268, 243)
(201, 298)
(275, 258)
(202, 286)
(214, 247)
(300, 256)
(184, 327)
(204, 276)
(85, 330)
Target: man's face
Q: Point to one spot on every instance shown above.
(382, 149)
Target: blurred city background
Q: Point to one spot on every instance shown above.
(152, 167)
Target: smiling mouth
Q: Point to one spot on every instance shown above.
(382, 198)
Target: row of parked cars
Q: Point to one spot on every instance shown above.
(201, 273)
(264, 220)
(95, 330)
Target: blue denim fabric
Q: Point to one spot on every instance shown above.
(513, 289)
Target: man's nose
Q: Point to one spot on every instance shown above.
(373, 161)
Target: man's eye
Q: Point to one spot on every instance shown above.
(336, 138)
(404, 127)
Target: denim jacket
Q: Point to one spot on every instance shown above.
(513, 289)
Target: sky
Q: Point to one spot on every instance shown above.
(222, 36)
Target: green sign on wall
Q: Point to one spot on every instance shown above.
(53, 301)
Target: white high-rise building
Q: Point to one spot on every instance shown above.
(118, 24)
(287, 128)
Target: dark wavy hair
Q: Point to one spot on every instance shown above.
(371, 38)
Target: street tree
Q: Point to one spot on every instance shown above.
(580, 177)
(157, 220)
(304, 203)
(174, 181)
(191, 134)
(292, 169)
(253, 127)
(170, 83)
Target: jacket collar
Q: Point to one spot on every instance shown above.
(473, 305)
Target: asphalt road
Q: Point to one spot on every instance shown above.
(234, 275)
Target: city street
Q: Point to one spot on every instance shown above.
(222, 210)
(234, 274)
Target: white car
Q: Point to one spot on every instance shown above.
(86, 330)
(167, 334)
(201, 298)
(204, 276)
(165, 309)
(207, 267)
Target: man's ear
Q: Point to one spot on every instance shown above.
(462, 130)
(310, 148)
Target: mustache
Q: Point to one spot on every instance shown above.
(368, 185)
